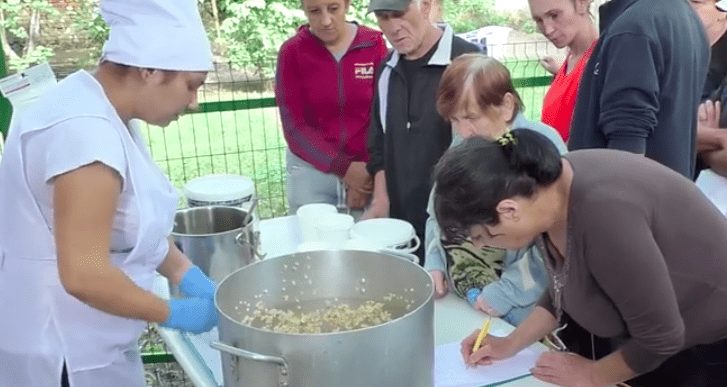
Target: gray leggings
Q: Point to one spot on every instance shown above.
(305, 184)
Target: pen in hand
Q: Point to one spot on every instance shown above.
(483, 333)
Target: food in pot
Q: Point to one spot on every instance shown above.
(326, 316)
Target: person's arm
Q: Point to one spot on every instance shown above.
(716, 160)
(709, 136)
(521, 283)
(630, 97)
(302, 136)
(375, 138)
(379, 207)
(710, 139)
(85, 201)
(612, 369)
(627, 264)
(551, 64)
(433, 251)
(175, 264)
(538, 324)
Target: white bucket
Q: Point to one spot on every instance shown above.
(387, 233)
(219, 190)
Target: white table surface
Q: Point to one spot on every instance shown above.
(453, 318)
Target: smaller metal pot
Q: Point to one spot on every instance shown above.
(218, 239)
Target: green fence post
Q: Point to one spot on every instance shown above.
(5, 109)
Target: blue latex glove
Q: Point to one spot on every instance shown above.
(196, 284)
(196, 315)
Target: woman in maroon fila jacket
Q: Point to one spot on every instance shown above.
(324, 89)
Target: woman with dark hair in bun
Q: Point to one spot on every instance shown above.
(636, 254)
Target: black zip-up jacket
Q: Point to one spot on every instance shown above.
(641, 88)
(407, 146)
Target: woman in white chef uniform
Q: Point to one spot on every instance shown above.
(85, 213)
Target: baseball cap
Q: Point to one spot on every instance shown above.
(722, 5)
(390, 5)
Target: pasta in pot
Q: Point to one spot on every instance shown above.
(332, 317)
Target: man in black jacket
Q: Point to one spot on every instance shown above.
(407, 136)
(642, 86)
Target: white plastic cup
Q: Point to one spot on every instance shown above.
(334, 229)
(308, 214)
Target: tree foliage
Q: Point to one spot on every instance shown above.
(20, 23)
(247, 33)
(468, 15)
(253, 30)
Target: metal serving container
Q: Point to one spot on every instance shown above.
(399, 352)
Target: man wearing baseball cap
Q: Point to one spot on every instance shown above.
(407, 136)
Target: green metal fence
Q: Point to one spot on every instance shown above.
(5, 108)
(237, 128)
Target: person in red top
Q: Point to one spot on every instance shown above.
(324, 88)
(565, 23)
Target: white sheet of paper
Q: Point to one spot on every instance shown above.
(714, 187)
(451, 371)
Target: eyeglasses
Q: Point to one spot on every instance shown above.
(553, 341)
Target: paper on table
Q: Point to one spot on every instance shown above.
(451, 371)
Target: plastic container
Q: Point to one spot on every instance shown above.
(219, 190)
(308, 215)
(334, 229)
(394, 234)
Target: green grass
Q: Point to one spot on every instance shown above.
(250, 142)
(247, 142)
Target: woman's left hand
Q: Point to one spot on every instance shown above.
(564, 369)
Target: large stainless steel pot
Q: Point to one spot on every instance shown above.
(397, 353)
(215, 238)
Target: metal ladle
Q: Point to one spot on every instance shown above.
(248, 215)
(255, 236)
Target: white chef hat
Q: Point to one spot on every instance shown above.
(157, 34)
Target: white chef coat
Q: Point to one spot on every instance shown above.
(42, 326)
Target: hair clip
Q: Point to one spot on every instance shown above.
(506, 139)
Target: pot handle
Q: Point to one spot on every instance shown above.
(407, 253)
(414, 248)
(400, 254)
(244, 239)
(234, 351)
